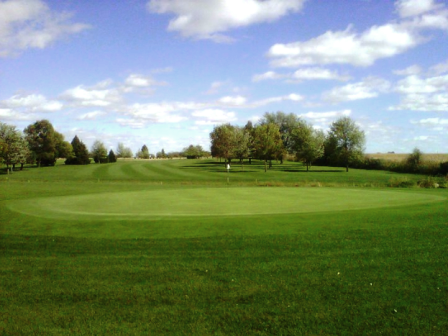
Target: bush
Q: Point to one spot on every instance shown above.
(428, 182)
(401, 182)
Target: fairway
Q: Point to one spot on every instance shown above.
(153, 204)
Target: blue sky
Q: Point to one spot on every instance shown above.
(164, 72)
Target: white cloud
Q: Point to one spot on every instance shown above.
(10, 114)
(269, 75)
(83, 96)
(291, 97)
(423, 94)
(431, 122)
(132, 123)
(411, 70)
(33, 102)
(364, 49)
(28, 24)
(208, 19)
(140, 83)
(91, 115)
(232, 101)
(313, 73)
(322, 120)
(213, 117)
(439, 69)
(318, 73)
(160, 112)
(345, 47)
(409, 8)
(368, 88)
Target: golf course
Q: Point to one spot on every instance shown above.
(183, 247)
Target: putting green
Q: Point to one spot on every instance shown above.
(151, 204)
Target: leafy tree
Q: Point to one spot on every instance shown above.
(241, 147)
(286, 124)
(80, 153)
(123, 152)
(42, 141)
(307, 143)
(414, 159)
(143, 153)
(268, 143)
(13, 147)
(193, 152)
(63, 148)
(99, 152)
(347, 139)
(223, 142)
(111, 156)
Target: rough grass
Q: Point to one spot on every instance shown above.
(371, 271)
(398, 157)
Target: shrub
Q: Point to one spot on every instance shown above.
(428, 182)
(401, 182)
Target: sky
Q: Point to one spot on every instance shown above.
(165, 72)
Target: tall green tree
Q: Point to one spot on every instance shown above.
(63, 148)
(111, 156)
(223, 142)
(80, 153)
(286, 124)
(143, 153)
(307, 143)
(42, 142)
(268, 143)
(99, 152)
(347, 139)
(241, 149)
(13, 146)
(193, 152)
(123, 151)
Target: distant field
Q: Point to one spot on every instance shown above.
(182, 247)
(401, 157)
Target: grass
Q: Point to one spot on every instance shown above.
(380, 270)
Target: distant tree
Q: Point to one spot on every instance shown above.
(111, 156)
(414, 159)
(80, 154)
(268, 143)
(63, 148)
(161, 154)
(13, 147)
(286, 124)
(307, 143)
(241, 147)
(42, 141)
(99, 152)
(347, 139)
(143, 153)
(193, 152)
(123, 152)
(223, 142)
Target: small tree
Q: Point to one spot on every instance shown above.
(415, 159)
(99, 152)
(241, 147)
(123, 152)
(348, 140)
(111, 156)
(307, 143)
(143, 153)
(80, 154)
(42, 141)
(223, 142)
(268, 143)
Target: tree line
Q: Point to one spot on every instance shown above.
(41, 144)
(278, 135)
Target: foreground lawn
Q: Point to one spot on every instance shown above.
(377, 270)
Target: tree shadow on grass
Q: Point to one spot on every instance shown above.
(312, 171)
